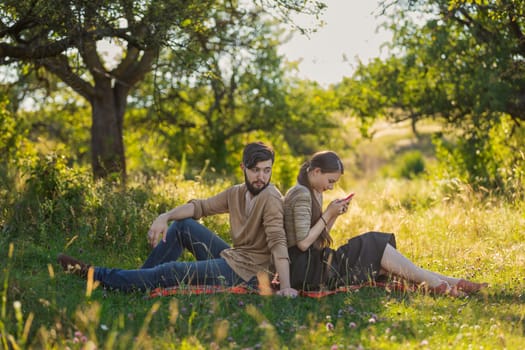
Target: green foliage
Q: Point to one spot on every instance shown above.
(117, 217)
(9, 135)
(411, 164)
(457, 62)
(57, 201)
(14, 145)
(51, 198)
(236, 94)
(286, 168)
(217, 58)
(311, 120)
(61, 125)
(495, 162)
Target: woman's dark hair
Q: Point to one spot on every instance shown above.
(256, 152)
(327, 162)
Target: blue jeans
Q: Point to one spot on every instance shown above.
(162, 270)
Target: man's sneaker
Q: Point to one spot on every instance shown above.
(72, 265)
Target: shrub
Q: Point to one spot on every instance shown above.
(492, 164)
(411, 164)
(50, 200)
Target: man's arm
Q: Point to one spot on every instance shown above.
(159, 227)
(276, 238)
(282, 266)
(195, 208)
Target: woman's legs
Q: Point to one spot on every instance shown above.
(395, 263)
(186, 234)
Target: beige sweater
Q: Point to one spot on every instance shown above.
(297, 214)
(257, 236)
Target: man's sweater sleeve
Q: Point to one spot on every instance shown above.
(273, 221)
(217, 204)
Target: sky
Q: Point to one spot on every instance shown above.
(326, 56)
(349, 31)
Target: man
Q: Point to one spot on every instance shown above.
(256, 227)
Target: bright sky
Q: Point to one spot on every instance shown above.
(350, 32)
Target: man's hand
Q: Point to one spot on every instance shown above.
(158, 230)
(288, 292)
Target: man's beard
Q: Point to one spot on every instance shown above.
(253, 190)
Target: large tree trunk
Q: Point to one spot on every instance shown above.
(108, 101)
(107, 144)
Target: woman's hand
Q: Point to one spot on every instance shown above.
(337, 207)
(344, 207)
(158, 230)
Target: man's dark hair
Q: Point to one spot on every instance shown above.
(256, 152)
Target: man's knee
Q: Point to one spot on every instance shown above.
(182, 229)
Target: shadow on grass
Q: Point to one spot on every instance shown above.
(231, 320)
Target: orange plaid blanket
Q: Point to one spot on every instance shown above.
(244, 289)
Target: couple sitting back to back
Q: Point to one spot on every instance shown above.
(301, 256)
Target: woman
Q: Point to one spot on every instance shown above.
(314, 265)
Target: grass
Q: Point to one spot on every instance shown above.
(450, 230)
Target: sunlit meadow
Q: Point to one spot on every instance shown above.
(440, 226)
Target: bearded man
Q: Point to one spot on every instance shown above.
(258, 238)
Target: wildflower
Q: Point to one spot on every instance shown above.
(352, 325)
(79, 337)
(329, 326)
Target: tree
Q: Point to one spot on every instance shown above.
(311, 120)
(465, 58)
(459, 61)
(237, 89)
(65, 37)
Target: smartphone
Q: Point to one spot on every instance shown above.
(349, 196)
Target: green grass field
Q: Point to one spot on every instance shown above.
(442, 227)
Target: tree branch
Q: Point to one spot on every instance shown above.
(88, 51)
(60, 67)
(518, 33)
(135, 71)
(479, 32)
(28, 52)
